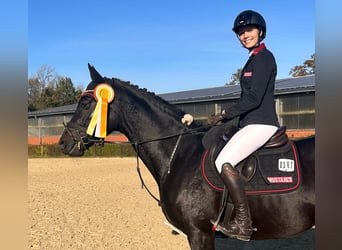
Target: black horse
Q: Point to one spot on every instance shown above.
(173, 155)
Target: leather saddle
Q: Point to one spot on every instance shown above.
(248, 167)
(280, 138)
(215, 140)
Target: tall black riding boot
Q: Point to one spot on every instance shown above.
(241, 227)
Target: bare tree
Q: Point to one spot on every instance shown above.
(34, 92)
(47, 76)
(235, 78)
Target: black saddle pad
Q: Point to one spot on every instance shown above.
(277, 170)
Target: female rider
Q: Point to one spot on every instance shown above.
(257, 118)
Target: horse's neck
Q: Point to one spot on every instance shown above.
(148, 127)
(153, 150)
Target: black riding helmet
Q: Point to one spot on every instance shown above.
(250, 17)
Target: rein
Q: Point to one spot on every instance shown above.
(83, 141)
(137, 144)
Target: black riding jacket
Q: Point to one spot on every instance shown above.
(256, 104)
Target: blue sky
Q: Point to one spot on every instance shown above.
(164, 46)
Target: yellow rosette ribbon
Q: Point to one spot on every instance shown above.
(104, 94)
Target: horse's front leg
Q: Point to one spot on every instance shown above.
(199, 240)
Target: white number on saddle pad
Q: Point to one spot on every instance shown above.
(286, 165)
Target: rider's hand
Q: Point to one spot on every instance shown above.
(187, 119)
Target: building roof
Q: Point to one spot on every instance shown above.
(67, 109)
(295, 85)
(282, 86)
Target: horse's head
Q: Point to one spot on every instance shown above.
(113, 105)
(89, 124)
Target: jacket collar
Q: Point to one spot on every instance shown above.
(257, 49)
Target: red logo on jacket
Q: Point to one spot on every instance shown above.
(247, 74)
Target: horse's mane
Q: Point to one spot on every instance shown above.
(151, 97)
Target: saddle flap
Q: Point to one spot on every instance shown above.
(247, 168)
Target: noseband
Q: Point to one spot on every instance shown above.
(80, 141)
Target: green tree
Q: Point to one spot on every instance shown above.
(46, 99)
(308, 68)
(65, 92)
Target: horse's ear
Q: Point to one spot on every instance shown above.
(95, 76)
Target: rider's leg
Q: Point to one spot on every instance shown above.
(241, 145)
(241, 227)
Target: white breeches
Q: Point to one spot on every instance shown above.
(243, 143)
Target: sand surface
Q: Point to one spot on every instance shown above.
(94, 203)
(98, 203)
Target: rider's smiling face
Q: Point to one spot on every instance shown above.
(249, 36)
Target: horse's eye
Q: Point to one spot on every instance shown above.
(85, 102)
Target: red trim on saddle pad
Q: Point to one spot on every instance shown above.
(274, 178)
(204, 174)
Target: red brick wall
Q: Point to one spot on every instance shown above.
(55, 139)
(294, 134)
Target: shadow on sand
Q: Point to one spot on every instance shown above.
(302, 241)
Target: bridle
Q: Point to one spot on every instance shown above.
(80, 141)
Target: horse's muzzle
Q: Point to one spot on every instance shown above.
(70, 147)
(72, 142)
